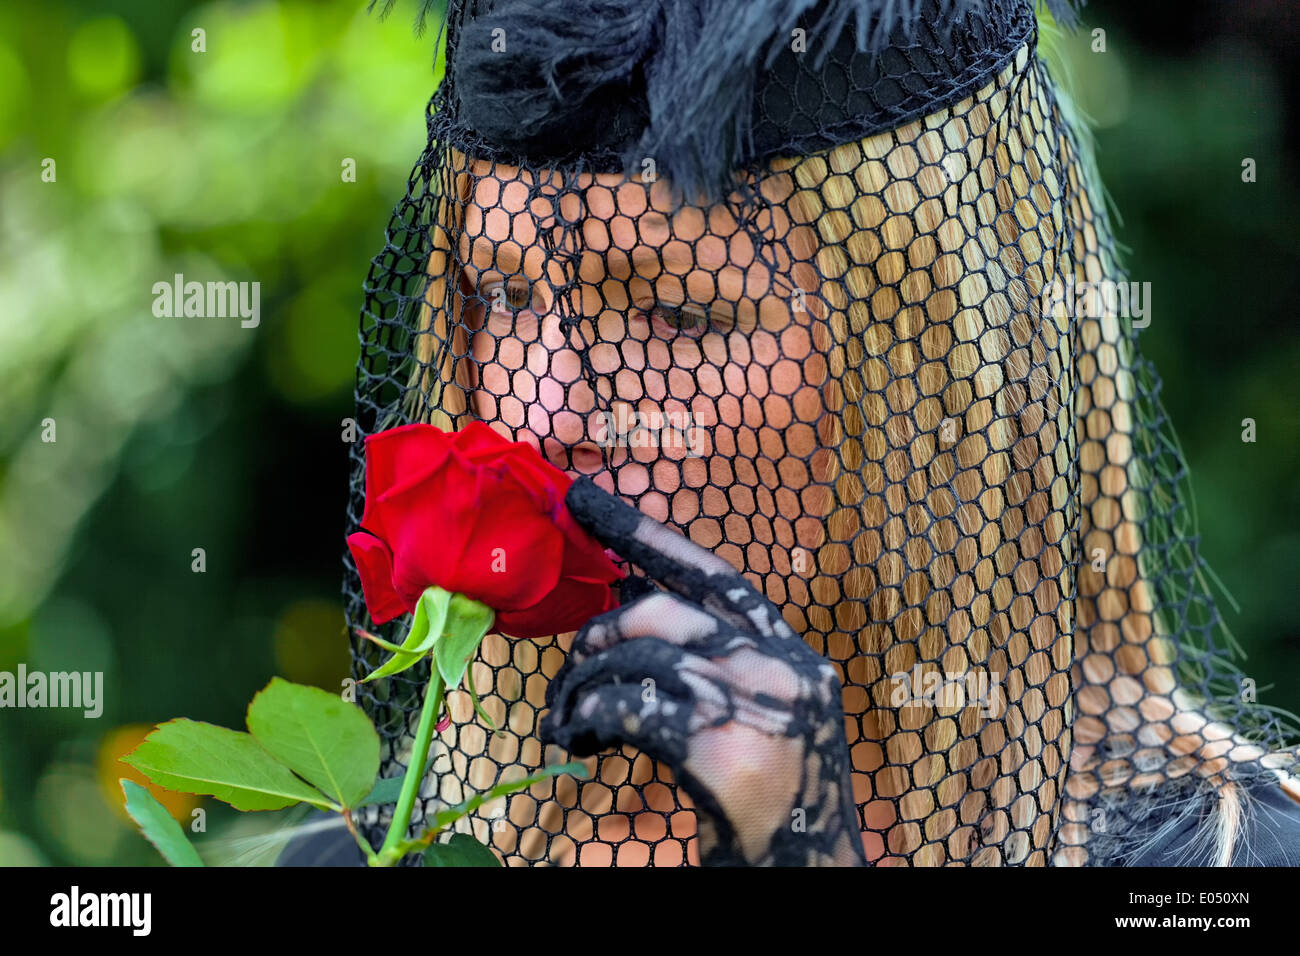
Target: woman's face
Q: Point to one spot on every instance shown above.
(640, 318)
(635, 317)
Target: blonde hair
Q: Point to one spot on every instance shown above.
(928, 336)
(438, 392)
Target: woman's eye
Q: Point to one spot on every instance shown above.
(507, 297)
(505, 308)
(671, 320)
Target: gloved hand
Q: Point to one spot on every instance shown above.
(709, 679)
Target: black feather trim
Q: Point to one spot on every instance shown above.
(668, 80)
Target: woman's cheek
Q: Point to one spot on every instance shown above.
(492, 380)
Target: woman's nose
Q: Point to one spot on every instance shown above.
(563, 401)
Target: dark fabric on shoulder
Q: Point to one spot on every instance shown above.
(330, 847)
(1272, 830)
(1270, 834)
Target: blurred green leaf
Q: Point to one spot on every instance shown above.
(103, 57)
(158, 826)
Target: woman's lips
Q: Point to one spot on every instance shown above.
(584, 457)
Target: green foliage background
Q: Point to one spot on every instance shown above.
(176, 434)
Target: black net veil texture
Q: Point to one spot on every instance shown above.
(864, 379)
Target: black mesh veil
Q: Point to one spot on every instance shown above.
(888, 377)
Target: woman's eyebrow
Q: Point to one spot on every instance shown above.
(674, 257)
(484, 254)
(678, 257)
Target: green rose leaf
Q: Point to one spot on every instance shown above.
(427, 626)
(323, 739)
(388, 789)
(194, 757)
(461, 850)
(467, 621)
(158, 826)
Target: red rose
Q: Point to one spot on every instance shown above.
(478, 515)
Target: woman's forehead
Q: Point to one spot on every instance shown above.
(513, 202)
(628, 222)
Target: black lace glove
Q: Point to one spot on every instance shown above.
(708, 678)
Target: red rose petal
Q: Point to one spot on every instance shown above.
(507, 524)
(584, 556)
(396, 458)
(546, 484)
(375, 566)
(570, 605)
(444, 507)
(477, 439)
(430, 524)
(413, 462)
(521, 458)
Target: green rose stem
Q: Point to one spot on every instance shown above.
(393, 849)
(449, 627)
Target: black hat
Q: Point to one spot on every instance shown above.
(704, 87)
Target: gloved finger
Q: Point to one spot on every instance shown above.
(661, 614)
(660, 551)
(650, 664)
(659, 725)
(607, 715)
(635, 586)
(674, 560)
